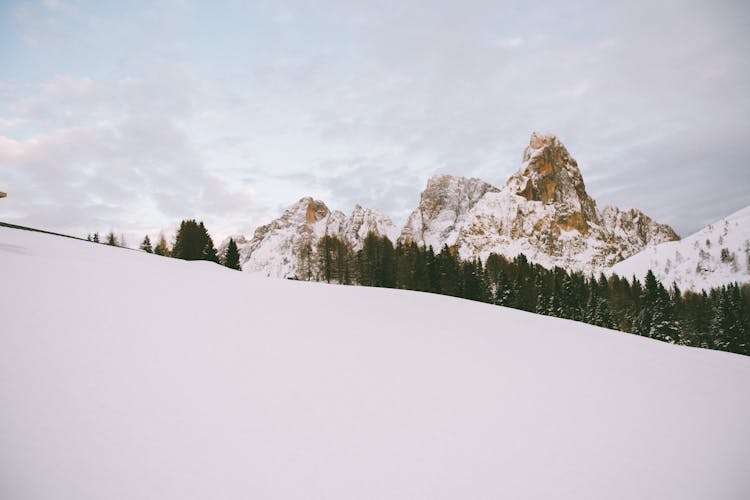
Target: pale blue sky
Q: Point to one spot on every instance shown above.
(134, 115)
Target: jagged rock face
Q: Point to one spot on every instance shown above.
(443, 207)
(276, 248)
(364, 221)
(636, 228)
(543, 211)
(551, 176)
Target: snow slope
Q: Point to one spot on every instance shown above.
(695, 262)
(125, 375)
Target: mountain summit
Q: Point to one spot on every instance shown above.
(551, 176)
(443, 207)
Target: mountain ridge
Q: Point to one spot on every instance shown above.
(543, 210)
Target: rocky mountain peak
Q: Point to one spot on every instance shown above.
(442, 206)
(313, 210)
(539, 141)
(448, 191)
(549, 174)
(364, 221)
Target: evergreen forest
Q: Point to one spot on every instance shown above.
(714, 319)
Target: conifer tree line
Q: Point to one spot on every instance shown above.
(715, 319)
(192, 242)
(110, 239)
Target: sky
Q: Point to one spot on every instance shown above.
(131, 116)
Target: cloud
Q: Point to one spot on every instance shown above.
(257, 105)
(140, 164)
(508, 42)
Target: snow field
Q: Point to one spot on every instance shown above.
(126, 375)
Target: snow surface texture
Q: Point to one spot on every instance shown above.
(125, 375)
(716, 255)
(542, 211)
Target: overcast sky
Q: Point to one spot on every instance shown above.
(131, 118)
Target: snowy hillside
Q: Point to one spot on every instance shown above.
(714, 256)
(125, 375)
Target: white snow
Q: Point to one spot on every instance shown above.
(695, 262)
(125, 375)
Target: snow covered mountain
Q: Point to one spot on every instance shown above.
(542, 211)
(122, 378)
(716, 255)
(444, 208)
(276, 248)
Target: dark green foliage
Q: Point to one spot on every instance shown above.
(146, 245)
(193, 242)
(719, 319)
(333, 260)
(376, 262)
(232, 256)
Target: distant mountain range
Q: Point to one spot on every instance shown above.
(542, 211)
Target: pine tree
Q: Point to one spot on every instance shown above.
(503, 290)
(541, 306)
(471, 282)
(648, 298)
(305, 265)
(602, 316)
(232, 256)
(95, 238)
(162, 248)
(324, 256)
(450, 273)
(433, 271)
(111, 239)
(664, 325)
(720, 324)
(146, 245)
(568, 299)
(592, 303)
(193, 242)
